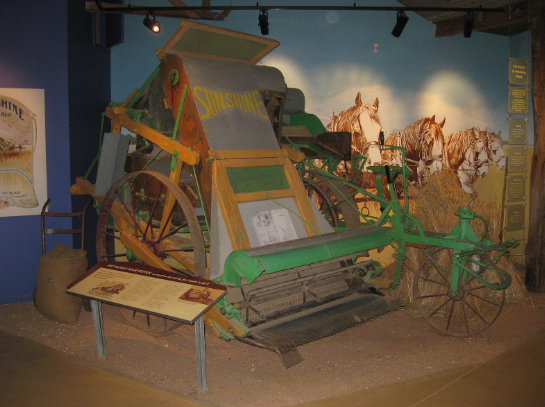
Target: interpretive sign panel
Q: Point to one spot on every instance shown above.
(518, 71)
(516, 158)
(518, 100)
(515, 217)
(518, 130)
(516, 188)
(148, 289)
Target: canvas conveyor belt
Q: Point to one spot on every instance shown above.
(289, 299)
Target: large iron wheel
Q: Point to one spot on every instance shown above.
(333, 200)
(145, 217)
(464, 312)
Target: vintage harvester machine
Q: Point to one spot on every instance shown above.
(205, 189)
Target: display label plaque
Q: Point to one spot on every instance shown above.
(518, 71)
(148, 289)
(518, 130)
(516, 158)
(514, 217)
(518, 100)
(516, 188)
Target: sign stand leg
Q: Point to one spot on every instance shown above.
(201, 354)
(98, 324)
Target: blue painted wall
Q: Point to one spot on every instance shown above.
(48, 45)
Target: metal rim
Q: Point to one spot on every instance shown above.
(465, 312)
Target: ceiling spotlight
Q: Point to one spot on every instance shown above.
(263, 20)
(152, 24)
(468, 25)
(400, 23)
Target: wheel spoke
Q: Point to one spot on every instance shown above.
(435, 282)
(485, 300)
(152, 212)
(450, 314)
(167, 222)
(432, 296)
(132, 215)
(439, 268)
(476, 313)
(466, 322)
(441, 306)
(173, 232)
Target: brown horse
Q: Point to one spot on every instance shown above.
(466, 152)
(363, 123)
(423, 142)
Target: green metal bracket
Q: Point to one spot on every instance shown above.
(173, 77)
(179, 116)
(174, 161)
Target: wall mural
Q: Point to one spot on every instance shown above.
(428, 150)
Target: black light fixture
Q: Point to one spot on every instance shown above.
(152, 24)
(263, 21)
(401, 22)
(468, 25)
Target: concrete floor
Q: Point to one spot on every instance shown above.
(32, 374)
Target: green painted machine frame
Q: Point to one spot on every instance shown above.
(403, 228)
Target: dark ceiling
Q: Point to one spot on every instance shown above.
(512, 20)
(448, 23)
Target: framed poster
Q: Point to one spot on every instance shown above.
(23, 170)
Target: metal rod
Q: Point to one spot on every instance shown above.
(98, 324)
(149, 9)
(201, 354)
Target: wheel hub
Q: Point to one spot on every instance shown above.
(459, 294)
(155, 247)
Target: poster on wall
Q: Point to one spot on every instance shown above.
(23, 171)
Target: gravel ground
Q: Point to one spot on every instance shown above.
(394, 347)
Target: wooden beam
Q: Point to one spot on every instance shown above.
(455, 26)
(535, 252)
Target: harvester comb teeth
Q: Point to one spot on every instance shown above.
(286, 333)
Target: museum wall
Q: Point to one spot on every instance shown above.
(47, 45)
(330, 56)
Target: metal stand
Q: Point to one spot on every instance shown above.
(201, 354)
(98, 324)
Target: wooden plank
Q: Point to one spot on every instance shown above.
(535, 255)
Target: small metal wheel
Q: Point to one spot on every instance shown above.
(467, 311)
(332, 200)
(146, 218)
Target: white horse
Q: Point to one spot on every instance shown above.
(363, 123)
(495, 149)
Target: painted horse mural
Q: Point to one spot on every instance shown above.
(466, 152)
(495, 149)
(423, 141)
(363, 123)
